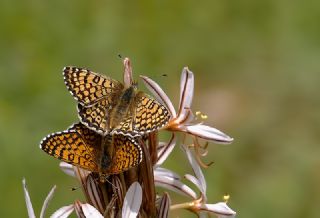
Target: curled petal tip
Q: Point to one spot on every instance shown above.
(186, 92)
(46, 201)
(221, 209)
(27, 199)
(209, 133)
(186, 68)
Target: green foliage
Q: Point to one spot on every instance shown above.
(256, 65)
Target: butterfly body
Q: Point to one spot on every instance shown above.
(82, 147)
(107, 107)
(124, 107)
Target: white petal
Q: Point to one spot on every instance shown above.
(209, 133)
(81, 174)
(132, 201)
(220, 208)
(63, 212)
(197, 170)
(28, 200)
(166, 150)
(195, 181)
(127, 75)
(165, 172)
(90, 211)
(174, 185)
(67, 169)
(186, 93)
(46, 201)
(161, 145)
(159, 94)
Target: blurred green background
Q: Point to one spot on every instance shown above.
(256, 65)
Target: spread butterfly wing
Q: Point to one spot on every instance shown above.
(148, 115)
(127, 154)
(88, 87)
(74, 147)
(95, 117)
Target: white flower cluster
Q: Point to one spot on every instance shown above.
(183, 121)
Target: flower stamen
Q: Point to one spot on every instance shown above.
(201, 115)
(226, 198)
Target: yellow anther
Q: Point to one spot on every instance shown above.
(203, 116)
(226, 198)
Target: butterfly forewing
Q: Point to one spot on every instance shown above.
(74, 147)
(88, 87)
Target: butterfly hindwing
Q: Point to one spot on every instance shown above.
(127, 154)
(148, 115)
(95, 117)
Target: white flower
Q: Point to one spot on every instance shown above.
(83, 210)
(199, 181)
(132, 201)
(184, 120)
(167, 179)
(110, 199)
(31, 213)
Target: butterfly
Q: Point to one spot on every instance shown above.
(82, 147)
(106, 106)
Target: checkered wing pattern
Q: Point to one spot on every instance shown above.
(99, 96)
(95, 117)
(127, 154)
(88, 87)
(148, 115)
(77, 145)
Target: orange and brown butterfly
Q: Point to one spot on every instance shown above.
(106, 106)
(84, 148)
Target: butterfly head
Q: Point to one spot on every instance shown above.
(135, 85)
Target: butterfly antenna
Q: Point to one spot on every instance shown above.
(161, 76)
(116, 188)
(75, 188)
(103, 179)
